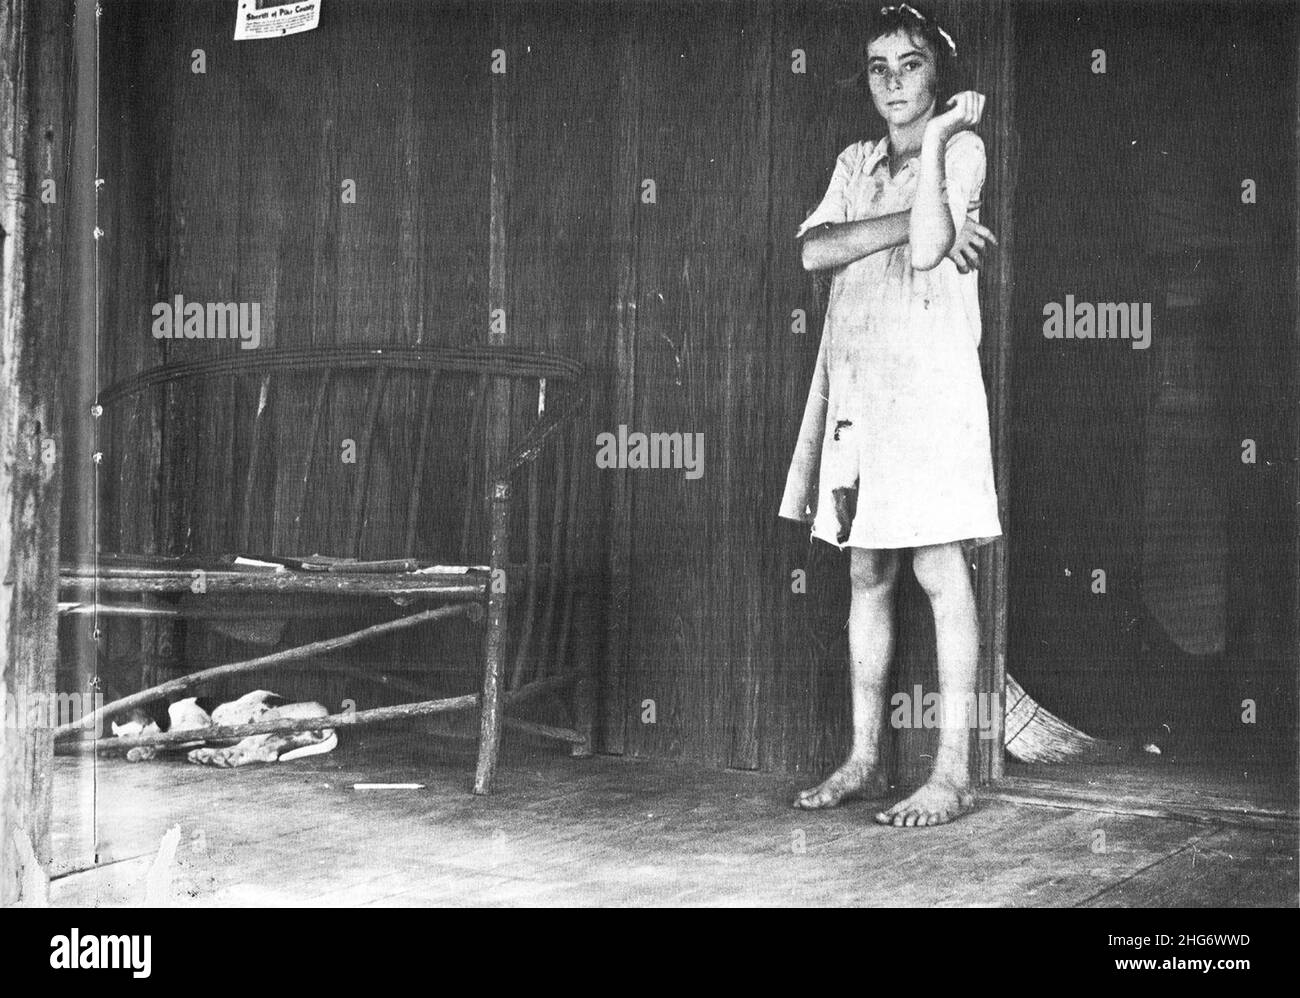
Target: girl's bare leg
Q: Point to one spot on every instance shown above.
(871, 645)
(942, 571)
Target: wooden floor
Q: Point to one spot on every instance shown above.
(608, 831)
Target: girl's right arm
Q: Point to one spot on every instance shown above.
(836, 244)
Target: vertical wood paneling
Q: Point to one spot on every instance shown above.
(624, 215)
(700, 303)
(562, 86)
(668, 663)
(749, 480)
(134, 218)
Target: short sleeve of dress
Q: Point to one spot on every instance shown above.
(964, 169)
(835, 205)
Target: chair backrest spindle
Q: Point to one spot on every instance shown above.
(365, 460)
(218, 424)
(254, 451)
(308, 457)
(421, 457)
(473, 457)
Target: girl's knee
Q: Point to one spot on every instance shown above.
(941, 570)
(872, 569)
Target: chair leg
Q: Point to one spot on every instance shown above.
(494, 648)
(489, 738)
(582, 708)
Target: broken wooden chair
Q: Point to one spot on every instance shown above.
(402, 463)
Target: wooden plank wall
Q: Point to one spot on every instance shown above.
(681, 308)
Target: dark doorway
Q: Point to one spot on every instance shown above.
(1170, 469)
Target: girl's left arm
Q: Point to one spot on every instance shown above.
(931, 232)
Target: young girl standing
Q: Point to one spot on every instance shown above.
(894, 452)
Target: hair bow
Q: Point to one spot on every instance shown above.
(908, 9)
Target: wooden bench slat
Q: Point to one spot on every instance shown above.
(470, 585)
(492, 361)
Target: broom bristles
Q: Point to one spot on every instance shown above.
(1032, 733)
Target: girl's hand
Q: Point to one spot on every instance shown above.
(969, 246)
(963, 111)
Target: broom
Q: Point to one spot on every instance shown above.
(1032, 733)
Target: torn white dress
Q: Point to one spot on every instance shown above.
(894, 447)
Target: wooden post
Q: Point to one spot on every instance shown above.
(34, 51)
(987, 756)
(498, 405)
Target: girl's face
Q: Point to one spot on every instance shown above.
(901, 72)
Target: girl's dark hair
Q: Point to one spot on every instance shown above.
(917, 21)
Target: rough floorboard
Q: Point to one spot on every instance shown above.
(1226, 869)
(604, 831)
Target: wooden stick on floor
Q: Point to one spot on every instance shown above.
(285, 725)
(277, 658)
(514, 723)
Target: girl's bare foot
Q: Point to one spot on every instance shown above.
(937, 802)
(851, 778)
